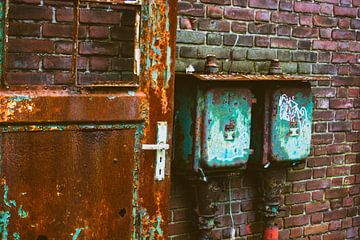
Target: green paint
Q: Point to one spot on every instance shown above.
(4, 222)
(136, 215)
(77, 233)
(19, 98)
(291, 136)
(7, 202)
(16, 236)
(22, 213)
(227, 126)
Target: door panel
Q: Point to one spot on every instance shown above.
(71, 154)
(69, 180)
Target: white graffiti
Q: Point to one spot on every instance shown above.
(290, 111)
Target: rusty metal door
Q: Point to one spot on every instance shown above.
(72, 130)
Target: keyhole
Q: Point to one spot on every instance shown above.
(122, 212)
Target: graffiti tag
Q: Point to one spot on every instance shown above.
(291, 112)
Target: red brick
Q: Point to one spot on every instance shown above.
(58, 30)
(282, 17)
(286, 5)
(345, 11)
(305, 20)
(191, 9)
(317, 184)
(317, 207)
(262, 16)
(344, 23)
(297, 198)
(31, 78)
(99, 48)
(239, 13)
(214, 25)
(65, 15)
(340, 127)
(343, 35)
(306, 7)
(283, 43)
(262, 41)
(334, 215)
(316, 229)
(323, 21)
(31, 45)
(98, 16)
(336, 193)
(305, 32)
(341, 103)
(24, 29)
(327, 9)
(299, 175)
(237, 27)
(28, 12)
(324, 45)
(296, 221)
(296, 232)
(338, 148)
(58, 62)
(335, 236)
(261, 28)
(343, 58)
(99, 32)
(23, 61)
(268, 4)
(214, 11)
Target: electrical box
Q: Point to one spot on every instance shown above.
(212, 124)
(290, 121)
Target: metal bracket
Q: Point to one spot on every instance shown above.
(161, 146)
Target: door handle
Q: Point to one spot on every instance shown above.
(160, 147)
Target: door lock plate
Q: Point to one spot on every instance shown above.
(160, 147)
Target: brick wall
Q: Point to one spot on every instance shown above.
(321, 197)
(42, 35)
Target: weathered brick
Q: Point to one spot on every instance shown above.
(283, 43)
(306, 7)
(267, 4)
(240, 40)
(105, 17)
(238, 27)
(214, 25)
(299, 175)
(24, 29)
(343, 58)
(28, 12)
(324, 69)
(239, 13)
(345, 11)
(192, 9)
(262, 16)
(316, 229)
(31, 46)
(297, 198)
(296, 221)
(334, 214)
(341, 103)
(190, 37)
(23, 61)
(323, 21)
(324, 45)
(343, 35)
(283, 17)
(304, 56)
(317, 184)
(336, 193)
(261, 28)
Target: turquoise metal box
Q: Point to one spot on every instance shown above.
(291, 120)
(212, 125)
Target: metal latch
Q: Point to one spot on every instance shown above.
(161, 146)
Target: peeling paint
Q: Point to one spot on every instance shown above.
(77, 233)
(5, 214)
(291, 124)
(14, 105)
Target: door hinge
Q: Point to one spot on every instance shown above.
(160, 147)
